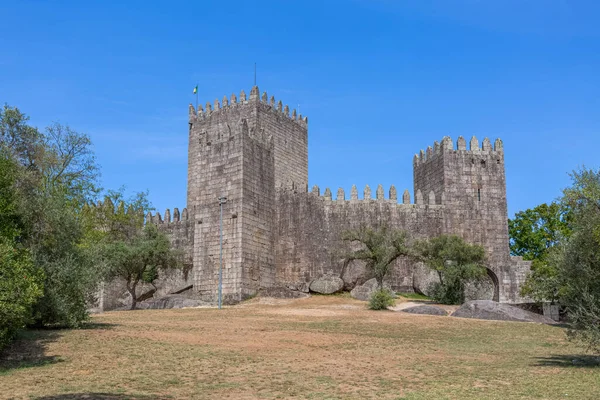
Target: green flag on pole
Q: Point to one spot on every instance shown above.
(195, 89)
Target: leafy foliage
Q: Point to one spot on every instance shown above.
(123, 245)
(455, 261)
(20, 281)
(20, 287)
(578, 262)
(381, 299)
(379, 248)
(533, 235)
(532, 232)
(140, 259)
(55, 173)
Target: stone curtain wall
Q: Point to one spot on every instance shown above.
(309, 229)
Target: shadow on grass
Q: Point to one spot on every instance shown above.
(569, 360)
(99, 396)
(29, 349)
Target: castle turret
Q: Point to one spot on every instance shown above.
(242, 150)
(472, 186)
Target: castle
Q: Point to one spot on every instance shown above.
(278, 234)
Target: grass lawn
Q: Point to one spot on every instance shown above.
(315, 348)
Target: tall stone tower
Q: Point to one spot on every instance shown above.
(240, 149)
(471, 184)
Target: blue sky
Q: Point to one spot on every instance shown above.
(378, 80)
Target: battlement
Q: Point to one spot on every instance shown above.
(178, 218)
(254, 98)
(420, 199)
(447, 146)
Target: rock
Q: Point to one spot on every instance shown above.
(423, 278)
(482, 289)
(327, 284)
(170, 301)
(426, 310)
(282, 293)
(354, 273)
(364, 291)
(488, 309)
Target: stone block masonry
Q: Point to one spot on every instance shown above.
(278, 234)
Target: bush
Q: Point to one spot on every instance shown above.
(381, 299)
(20, 287)
(445, 293)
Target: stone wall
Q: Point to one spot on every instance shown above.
(309, 229)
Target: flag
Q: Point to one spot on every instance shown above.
(195, 89)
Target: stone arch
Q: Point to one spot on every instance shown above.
(494, 279)
(485, 289)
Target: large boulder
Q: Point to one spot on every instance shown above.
(282, 293)
(491, 310)
(426, 310)
(364, 291)
(354, 273)
(327, 284)
(170, 301)
(482, 289)
(423, 278)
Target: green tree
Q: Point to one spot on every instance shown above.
(578, 260)
(140, 258)
(379, 248)
(533, 231)
(456, 263)
(55, 173)
(20, 280)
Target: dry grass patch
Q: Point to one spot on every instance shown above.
(317, 348)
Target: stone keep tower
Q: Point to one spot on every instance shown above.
(240, 149)
(471, 184)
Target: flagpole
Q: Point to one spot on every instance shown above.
(196, 97)
(254, 74)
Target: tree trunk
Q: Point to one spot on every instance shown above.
(131, 290)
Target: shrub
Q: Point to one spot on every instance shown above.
(381, 299)
(447, 293)
(20, 287)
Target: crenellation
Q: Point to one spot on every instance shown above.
(265, 98)
(406, 197)
(272, 102)
(316, 190)
(176, 215)
(419, 197)
(393, 194)
(461, 143)
(233, 99)
(341, 196)
(225, 102)
(353, 193)
(367, 193)
(286, 111)
(217, 105)
(474, 145)
(242, 96)
(167, 216)
(254, 93)
(486, 145)
(379, 193)
(327, 194)
(498, 145)
(431, 198)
